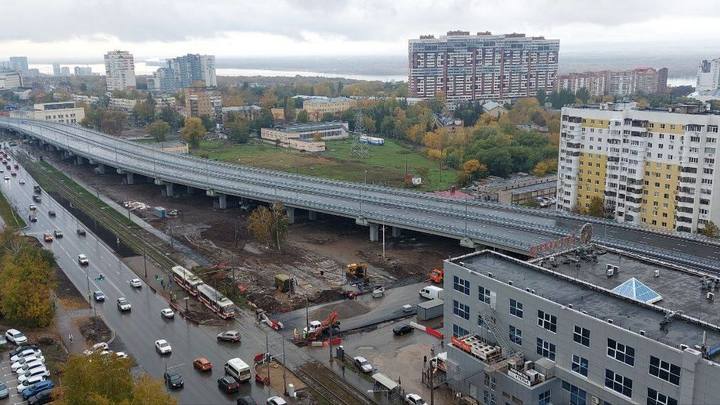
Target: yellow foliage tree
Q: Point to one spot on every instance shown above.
(269, 225)
(545, 167)
(27, 280)
(193, 132)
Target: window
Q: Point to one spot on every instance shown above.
(618, 383)
(621, 352)
(656, 398)
(489, 398)
(580, 365)
(582, 336)
(546, 349)
(516, 308)
(577, 396)
(547, 321)
(515, 335)
(461, 310)
(544, 398)
(484, 294)
(459, 331)
(664, 370)
(461, 285)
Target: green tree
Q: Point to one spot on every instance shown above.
(289, 109)
(541, 97)
(710, 230)
(102, 379)
(583, 95)
(238, 130)
(597, 207)
(193, 132)
(302, 116)
(159, 130)
(144, 111)
(208, 122)
(172, 117)
(326, 117)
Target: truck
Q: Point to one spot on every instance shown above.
(431, 292)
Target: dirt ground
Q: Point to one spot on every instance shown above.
(276, 376)
(315, 253)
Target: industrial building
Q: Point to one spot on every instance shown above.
(588, 326)
(654, 168)
(482, 66)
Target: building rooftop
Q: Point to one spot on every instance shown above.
(578, 280)
(312, 126)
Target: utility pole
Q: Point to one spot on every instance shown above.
(145, 262)
(284, 368)
(267, 356)
(307, 315)
(330, 343)
(432, 383)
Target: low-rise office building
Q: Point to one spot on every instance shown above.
(307, 137)
(318, 107)
(590, 326)
(10, 80)
(122, 104)
(63, 112)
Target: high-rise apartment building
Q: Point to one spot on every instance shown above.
(83, 71)
(19, 64)
(592, 327)
(708, 77)
(183, 72)
(57, 71)
(616, 83)
(481, 66)
(119, 70)
(655, 168)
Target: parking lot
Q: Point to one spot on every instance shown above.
(9, 378)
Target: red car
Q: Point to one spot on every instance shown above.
(202, 364)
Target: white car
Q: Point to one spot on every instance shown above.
(83, 260)
(24, 360)
(167, 313)
(22, 182)
(276, 400)
(27, 366)
(41, 371)
(363, 364)
(414, 399)
(136, 283)
(30, 381)
(25, 353)
(123, 304)
(15, 336)
(162, 346)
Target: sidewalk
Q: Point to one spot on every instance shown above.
(66, 325)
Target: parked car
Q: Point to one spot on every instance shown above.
(28, 383)
(123, 304)
(4, 391)
(25, 360)
(41, 371)
(228, 384)
(18, 349)
(276, 400)
(24, 353)
(42, 397)
(58, 234)
(35, 388)
(163, 347)
(136, 283)
(202, 364)
(362, 363)
(27, 366)
(402, 330)
(229, 336)
(99, 296)
(83, 260)
(246, 400)
(414, 399)
(15, 336)
(173, 380)
(80, 232)
(167, 313)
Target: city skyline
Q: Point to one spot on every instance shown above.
(346, 28)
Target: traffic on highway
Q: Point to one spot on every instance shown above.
(162, 344)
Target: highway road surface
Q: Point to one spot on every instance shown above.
(139, 328)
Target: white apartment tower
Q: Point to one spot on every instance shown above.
(654, 168)
(708, 77)
(119, 70)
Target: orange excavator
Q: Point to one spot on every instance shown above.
(437, 275)
(319, 329)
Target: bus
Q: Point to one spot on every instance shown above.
(186, 279)
(217, 302)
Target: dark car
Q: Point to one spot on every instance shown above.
(173, 380)
(246, 400)
(37, 387)
(4, 391)
(228, 385)
(51, 213)
(81, 232)
(402, 330)
(99, 296)
(42, 397)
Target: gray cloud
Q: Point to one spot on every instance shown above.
(375, 20)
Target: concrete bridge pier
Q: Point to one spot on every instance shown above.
(169, 189)
(468, 243)
(222, 201)
(100, 169)
(79, 160)
(374, 232)
(290, 211)
(65, 154)
(396, 232)
(312, 215)
(130, 177)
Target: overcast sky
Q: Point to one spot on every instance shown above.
(84, 29)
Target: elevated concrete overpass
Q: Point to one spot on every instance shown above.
(475, 224)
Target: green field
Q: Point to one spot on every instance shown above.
(385, 165)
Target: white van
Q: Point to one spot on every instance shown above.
(238, 369)
(431, 292)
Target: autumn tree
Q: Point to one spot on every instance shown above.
(545, 167)
(268, 99)
(113, 122)
(269, 225)
(597, 207)
(27, 280)
(473, 169)
(159, 130)
(106, 379)
(710, 230)
(193, 131)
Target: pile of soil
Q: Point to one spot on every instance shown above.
(94, 329)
